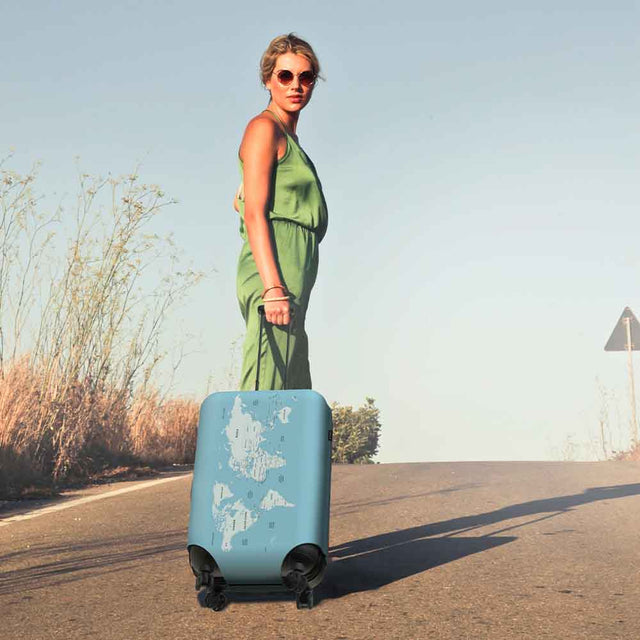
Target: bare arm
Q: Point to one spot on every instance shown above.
(259, 153)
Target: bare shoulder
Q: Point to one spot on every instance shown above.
(262, 120)
(262, 134)
(263, 127)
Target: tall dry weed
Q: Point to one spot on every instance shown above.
(68, 402)
(163, 432)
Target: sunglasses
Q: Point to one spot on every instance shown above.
(285, 77)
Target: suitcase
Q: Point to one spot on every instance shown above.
(260, 495)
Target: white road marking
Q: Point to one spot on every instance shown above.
(101, 496)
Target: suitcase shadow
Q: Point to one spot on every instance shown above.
(374, 569)
(372, 562)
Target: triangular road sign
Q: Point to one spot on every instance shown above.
(618, 339)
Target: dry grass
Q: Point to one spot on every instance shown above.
(632, 454)
(94, 434)
(163, 432)
(81, 398)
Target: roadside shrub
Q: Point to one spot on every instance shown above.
(355, 433)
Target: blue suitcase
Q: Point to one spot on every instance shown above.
(260, 496)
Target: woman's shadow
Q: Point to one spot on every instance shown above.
(372, 562)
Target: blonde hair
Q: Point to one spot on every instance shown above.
(285, 44)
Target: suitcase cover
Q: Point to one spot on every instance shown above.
(261, 480)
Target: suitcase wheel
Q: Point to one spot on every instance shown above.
(304, 600)
(296, 581)
(215, 600)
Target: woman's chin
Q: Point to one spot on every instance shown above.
(291, 106)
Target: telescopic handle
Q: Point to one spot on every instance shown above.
(286, 360)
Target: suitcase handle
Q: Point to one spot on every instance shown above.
(286, 360)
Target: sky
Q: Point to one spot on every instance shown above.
(480, 165)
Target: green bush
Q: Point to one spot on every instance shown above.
(355, 433)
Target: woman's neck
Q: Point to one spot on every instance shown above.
(289, 120)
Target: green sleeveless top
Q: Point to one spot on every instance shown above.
(296, 193)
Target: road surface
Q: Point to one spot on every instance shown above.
(423, 550)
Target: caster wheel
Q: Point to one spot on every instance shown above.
(296, 582)
(215, 600)
(202, 580)
(304, 600)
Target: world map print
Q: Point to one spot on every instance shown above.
(249, 461)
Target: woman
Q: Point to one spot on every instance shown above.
(283, 219)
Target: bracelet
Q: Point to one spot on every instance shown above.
(276, 299)
(275, 286)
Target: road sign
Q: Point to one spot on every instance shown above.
(619, 338)
(622, 339)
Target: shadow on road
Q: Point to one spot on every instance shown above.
(339, 509)
(358, 565)
(378, 567)
(370, 563)
(58, 564)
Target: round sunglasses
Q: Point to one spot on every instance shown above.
(285, 77)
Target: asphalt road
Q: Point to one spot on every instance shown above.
(431, 550)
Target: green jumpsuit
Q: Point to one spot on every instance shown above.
(297, 213)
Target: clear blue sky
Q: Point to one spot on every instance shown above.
(480, 163)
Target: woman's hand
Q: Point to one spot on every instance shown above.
(278, 311)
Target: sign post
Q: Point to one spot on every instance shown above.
(622, 339)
